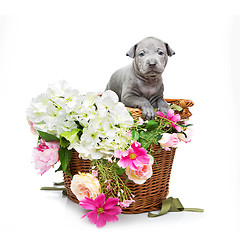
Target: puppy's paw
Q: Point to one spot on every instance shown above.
(162, 106)
(148, 113)
(164, 110)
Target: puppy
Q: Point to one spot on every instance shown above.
(139, 85)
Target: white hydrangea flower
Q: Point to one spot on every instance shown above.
(52, 112)
(105, 120)
(105, 129)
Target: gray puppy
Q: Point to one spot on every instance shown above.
(139, 85)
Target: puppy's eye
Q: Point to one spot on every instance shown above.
(141, 54)
(160, 52)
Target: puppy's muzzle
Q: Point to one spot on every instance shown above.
(152, 63)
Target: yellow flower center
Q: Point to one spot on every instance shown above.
(100, 210)
(132, 156)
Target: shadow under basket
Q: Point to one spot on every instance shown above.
(148, 196)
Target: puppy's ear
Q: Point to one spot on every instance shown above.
(132, 52)
(170, 52)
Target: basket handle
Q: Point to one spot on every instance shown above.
(184, 103)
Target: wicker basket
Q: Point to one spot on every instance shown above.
(148, 196)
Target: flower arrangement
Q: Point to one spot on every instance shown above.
(102, 130)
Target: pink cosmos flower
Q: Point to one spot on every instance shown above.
(169, 140)
(45, 155)
(174, 118)
(133, 157)
(102, 211)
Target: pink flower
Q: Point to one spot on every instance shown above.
(94, 173)
(45, 155)
(133, 157)
(174, 118)
(102, 211)
(126, 203)
(169, 140)
(107, 182)
(142, 173)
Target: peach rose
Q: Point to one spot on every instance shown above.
(85, 185)
(143, 172)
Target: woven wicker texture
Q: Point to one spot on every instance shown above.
(148, 196)
(184, 103)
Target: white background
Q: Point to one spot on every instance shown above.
(84, 42)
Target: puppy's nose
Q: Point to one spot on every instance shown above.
(152, 63)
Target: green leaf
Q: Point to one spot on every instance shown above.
(159, 137)
(68, 173)
(176, 108)
(144, 139)
(135, 135)
(70, 136)
(64, 142)
(47, 136)
(130, 113)
(59, 169)
(156, 160)
(65, 157)
(151, 125)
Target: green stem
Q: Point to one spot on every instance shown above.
(52, 189)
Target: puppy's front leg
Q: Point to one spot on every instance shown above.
(162, 106)
(139, 102)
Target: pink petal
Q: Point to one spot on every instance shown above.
(110, 218)
(179, 129)
(117, 154)
(135, 146)
(133, 165)
(115, 210)
(175, 118)
(143, 159)
(110, 203)
(126, 153)
(85, 215)
(141, 152)
(92, 216)
(170, 113)
(160, 114)
(123, 163)
(101, 221)
(87, 203)
(99, 201)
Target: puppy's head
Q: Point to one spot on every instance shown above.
(150, 56)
